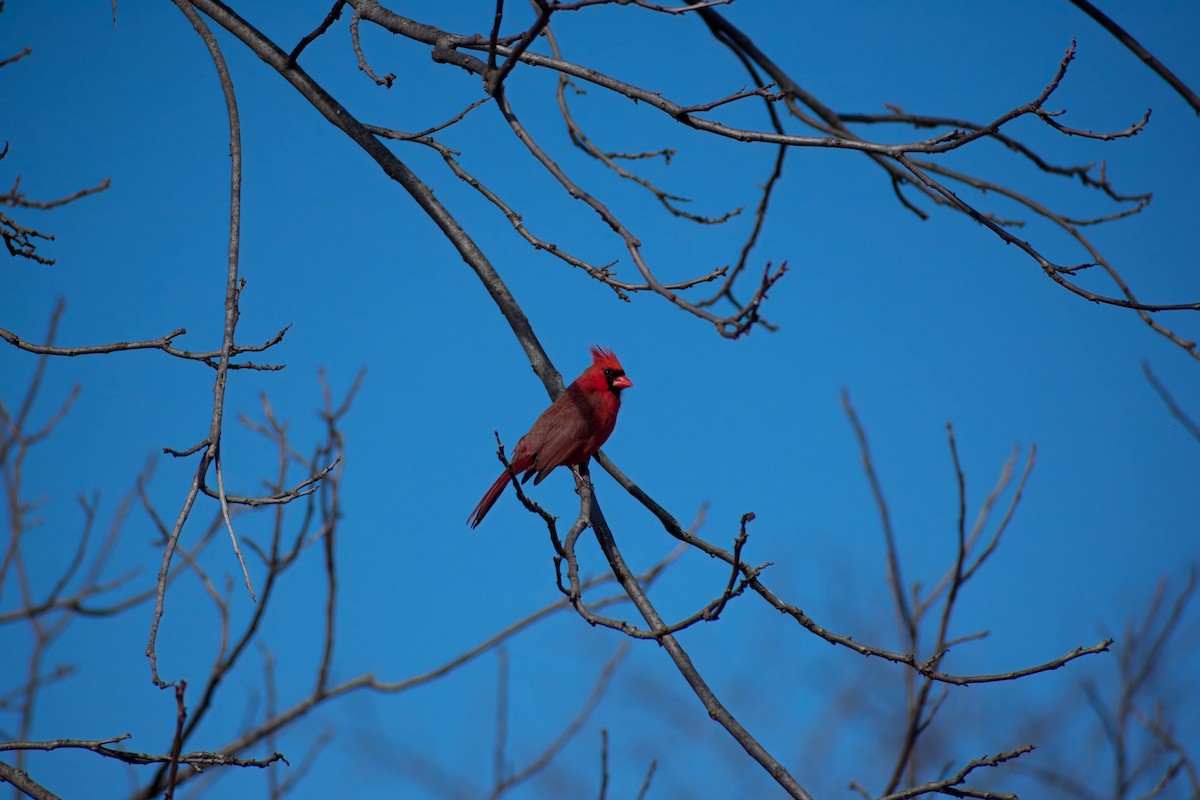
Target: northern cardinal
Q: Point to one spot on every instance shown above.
(570, 431)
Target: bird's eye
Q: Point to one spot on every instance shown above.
(610, 373)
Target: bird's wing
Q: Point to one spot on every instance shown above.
(561, 434)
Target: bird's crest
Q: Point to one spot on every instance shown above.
(605, 358)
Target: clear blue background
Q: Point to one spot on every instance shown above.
(923, 322)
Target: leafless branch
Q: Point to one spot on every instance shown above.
(920, 666)
(953, 786)
(493, 81)
(895, 581)
(15, 57)
(493, 58)
(1122, 36)
(1177, 412)
(506, 782)
(386, 80)
(1143, 755)
(20, 240)
(683, 662)
(333, 16)
(165, 343)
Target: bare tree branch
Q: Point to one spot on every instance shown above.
(1122, 36)
(22, 241)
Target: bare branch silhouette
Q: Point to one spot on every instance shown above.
(22, 241)
(1122, 36)
(297, 516)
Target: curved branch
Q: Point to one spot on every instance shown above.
(925, 669)
(683, 662)
(1122, 36)
(232, 291)
(101, 747)
(395, 169)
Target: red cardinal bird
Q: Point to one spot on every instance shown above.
(570, 431)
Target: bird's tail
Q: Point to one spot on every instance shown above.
(489, 499)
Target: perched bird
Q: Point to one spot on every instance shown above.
(570, 431)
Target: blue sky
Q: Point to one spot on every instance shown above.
(923, 323)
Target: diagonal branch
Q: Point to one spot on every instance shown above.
(1148, 58)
